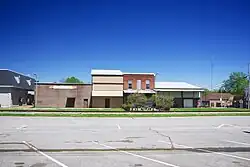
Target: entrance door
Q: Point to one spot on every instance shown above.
(188, 103)
(85, 103)
(70, 102)
(107, 103)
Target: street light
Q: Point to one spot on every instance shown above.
(35, 89)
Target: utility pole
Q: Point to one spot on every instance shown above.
(212, 70)
(35, 90)
(248, 106)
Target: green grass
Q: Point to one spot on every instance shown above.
(209, 110)
(53, 109)
(124, 115)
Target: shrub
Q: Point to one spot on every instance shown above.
(126, 107)
(163, 102)
(136, 100)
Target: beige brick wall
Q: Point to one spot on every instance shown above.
(107, 87)
(99, 102)
(107, 79)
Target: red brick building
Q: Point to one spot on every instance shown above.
(138, 83)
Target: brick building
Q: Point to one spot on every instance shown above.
(107, 89)
(63, 95)
(138, 83)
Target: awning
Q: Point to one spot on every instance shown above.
(179, 90)
(139, 91)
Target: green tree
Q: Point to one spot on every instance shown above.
(236, 83)
(72, 80)
(163, 102)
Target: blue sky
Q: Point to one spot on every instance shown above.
(176, 38)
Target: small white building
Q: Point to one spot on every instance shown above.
(185, 95)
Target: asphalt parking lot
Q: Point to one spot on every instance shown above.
(132, 142)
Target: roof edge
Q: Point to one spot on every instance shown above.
(17, 73)
(52, 83)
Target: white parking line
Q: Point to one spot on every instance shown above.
(230, 125)
(118, 126)
(204, 150)
(47, 156)
(236, 142)
(136, 155)
(220, 126)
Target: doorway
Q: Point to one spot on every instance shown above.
(107, 103)
(188, 103)
(70, 102)
(85, 103)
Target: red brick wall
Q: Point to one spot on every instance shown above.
(135, 77)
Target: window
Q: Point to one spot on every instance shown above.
(138, 84)
(129, 84)
(147, 84)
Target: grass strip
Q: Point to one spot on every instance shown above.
(119, 110)
(122, 115)
(209, 110)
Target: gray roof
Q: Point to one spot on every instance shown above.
(175, 85)
(9, 78)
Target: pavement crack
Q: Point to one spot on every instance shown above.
(162, 134)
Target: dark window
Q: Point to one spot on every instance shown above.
(107, 103)
(147, 84)
(129, 84)
(70, 102)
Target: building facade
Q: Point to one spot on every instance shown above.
(138, 83)
(107, 91)
(185, 95)
(110, 89)
(63, 95)
(15, 88)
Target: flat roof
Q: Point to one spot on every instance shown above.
(175, 85)
(132, 73)
(53, 83)
(105, 72)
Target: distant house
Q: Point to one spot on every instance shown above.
(217, 99)
(15, 88)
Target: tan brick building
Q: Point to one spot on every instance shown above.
(107, 89)
(63, 95)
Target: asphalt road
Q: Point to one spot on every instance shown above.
(69, 142)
